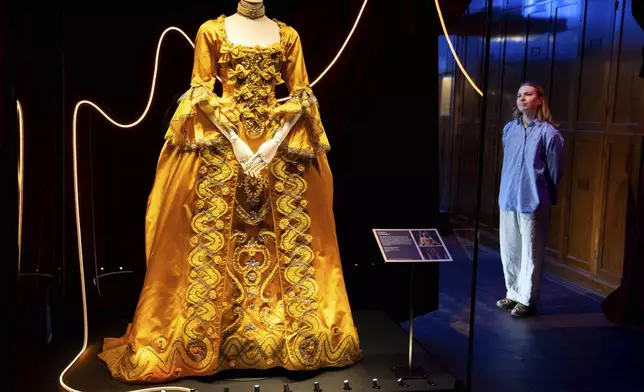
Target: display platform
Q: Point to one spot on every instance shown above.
(384, 343)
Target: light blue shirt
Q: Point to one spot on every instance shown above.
(533, 163)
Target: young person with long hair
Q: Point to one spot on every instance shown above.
(533, 165)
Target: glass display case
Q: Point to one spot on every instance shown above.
(401, 196)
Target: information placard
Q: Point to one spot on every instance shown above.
(411, 245)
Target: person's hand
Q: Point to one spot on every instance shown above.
(264, 155)
(243, 153)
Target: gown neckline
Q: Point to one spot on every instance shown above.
(277, 44)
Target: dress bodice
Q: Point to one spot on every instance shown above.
(249, 76)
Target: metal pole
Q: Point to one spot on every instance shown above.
(411, 312)
(477, 224)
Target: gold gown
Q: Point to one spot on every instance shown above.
(241, 273)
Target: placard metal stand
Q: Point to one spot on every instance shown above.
(404, 246)
(410, 372)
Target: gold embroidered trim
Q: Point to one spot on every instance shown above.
(198, 342)
(253, 218)
(204, 281)
(299, 289)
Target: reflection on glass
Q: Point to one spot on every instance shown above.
(446, 95)
(20, 179)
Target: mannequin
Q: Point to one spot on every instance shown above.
(244, 29)
(243, 266)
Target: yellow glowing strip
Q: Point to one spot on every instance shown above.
(77, 197)
(21, 180)
(346, 41)
(37, 274)
(77, 211)
(21, 162)
(449, 42)
(80, 246)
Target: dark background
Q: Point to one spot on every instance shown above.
(377, 103)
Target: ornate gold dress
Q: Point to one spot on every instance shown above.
(241, 272)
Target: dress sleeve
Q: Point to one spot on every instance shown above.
(307, 137)
(193, 122)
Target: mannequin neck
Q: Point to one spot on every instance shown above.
(260, 31)
(251, 9)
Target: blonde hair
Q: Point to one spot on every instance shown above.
(543, 111)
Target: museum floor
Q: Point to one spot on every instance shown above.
(569, 347)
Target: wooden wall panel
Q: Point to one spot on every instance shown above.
(489, 199)
(446, 120)
(512, 3)
(595, 65)
(621, 151)
(454, 153)
(558, 234)
(495, 81)
(467, 169)
(473, 56)
(566, 51)
(445, 84)
(514, 59)
(627, 109)
(494, 126)
(585, 198)
(538, 44)
(469, 107)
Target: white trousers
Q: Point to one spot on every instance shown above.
(523, 239)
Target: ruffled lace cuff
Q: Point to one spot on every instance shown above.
(307, 137)
(193, 124)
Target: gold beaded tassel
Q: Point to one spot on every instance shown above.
(251, 10)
